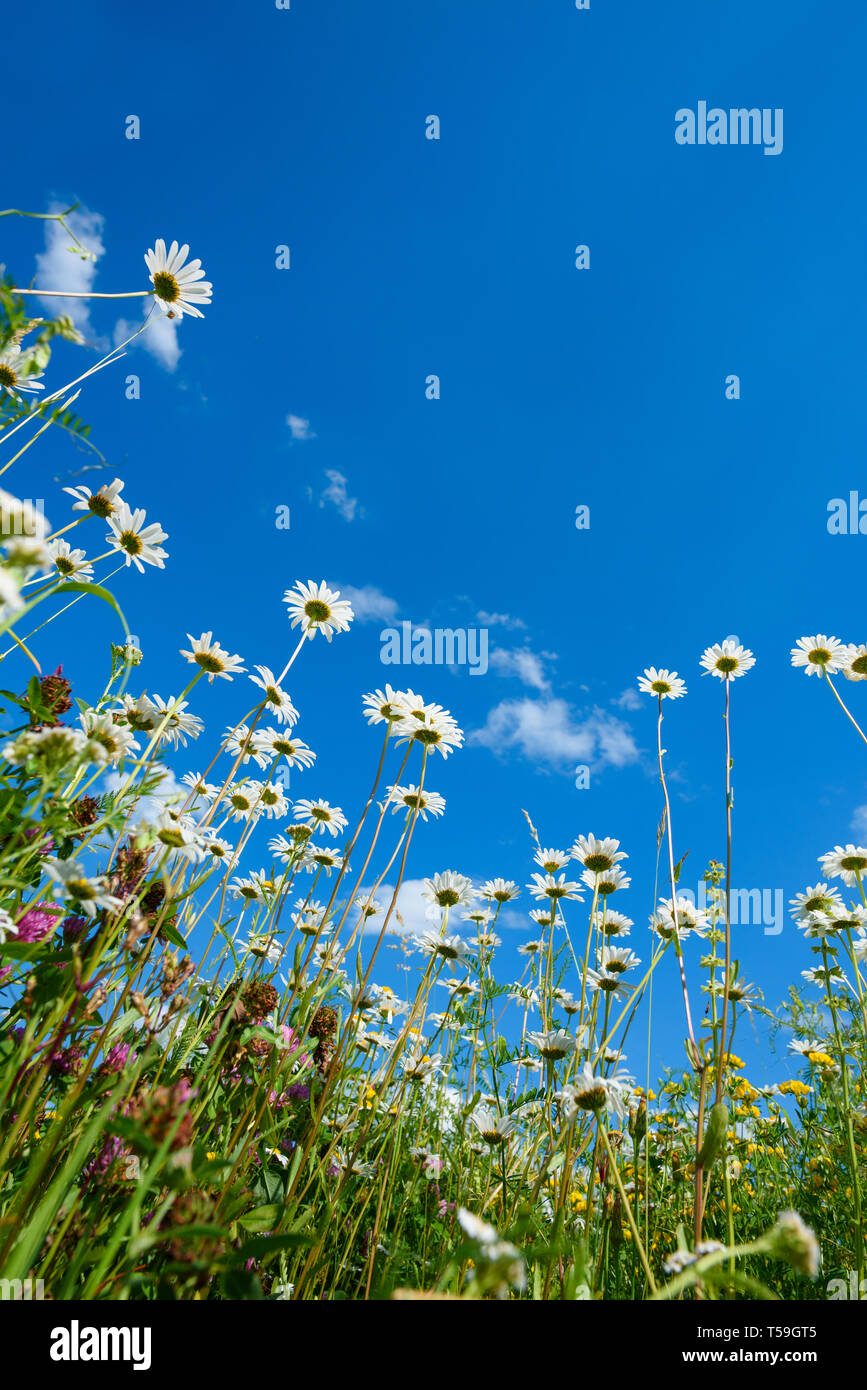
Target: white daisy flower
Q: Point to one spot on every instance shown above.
(852, 918)
(449, 889)
(321, 816)
(617, 959)
(384, 706)
(791, 1239)
(727, 660)
(242, 799)
(213, 660)
(73, 885)
(820, 898)
(855, 661)
(279, 743)
(476, 1228)
(107, 740)
(666, 684)
(550, 860)
(238, 741)
(530, 948)
(803, 1047)
(139, 544)
(411, 799)
(179, 287)
(103, 503)
(248, 890)
(818, 654)
(319, 856)
(691, 920)
(823, 977)
(818, 926)
(69, 562)
(615, 923)
(316, 608)
(740, 992)
(450, 948)
(179, 725)
(179, 834)
(283, 850)
(594, 1093)
(277, 701)
(597, 855)
(495, 1130)
(51, 746)
(8, 928)
(479, 915)
(606, 983)
(848, 863)
(554, 887)
(567, 1002)
(463, 988)
(11, 598)
(217, 848)
(552, 1044)
(606, 882)
(431, 730)
(500, 890)
(263, 945)
(544, 916)
(486, 941)
(421, 1069)
(273, 801)
(28, 553)
(18, 372)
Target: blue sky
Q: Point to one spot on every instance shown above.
(559, 387)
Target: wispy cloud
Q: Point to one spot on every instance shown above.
(160, 338)
(370, 604)
(629, 699)
(859, 821)
(551, 732)
(336, 494)
(524, 664)
(299, 428)
(499, 620)
(410, 917)
(167, 792)
(60, 267)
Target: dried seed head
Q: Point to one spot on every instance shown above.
(260, 999)
(140, 1003)
(56, 695)
(84, 811)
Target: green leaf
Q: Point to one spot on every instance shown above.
(261, 1218)
(260, 1246)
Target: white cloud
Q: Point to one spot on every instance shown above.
(551, 732)
(337, 495)
(499, 619)
(629, 699)
(523, 663)
(60, 268)
(299, 428)
(859, 820)
(167, 792)
(409, 917)
(160, 338)
(370, 604)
